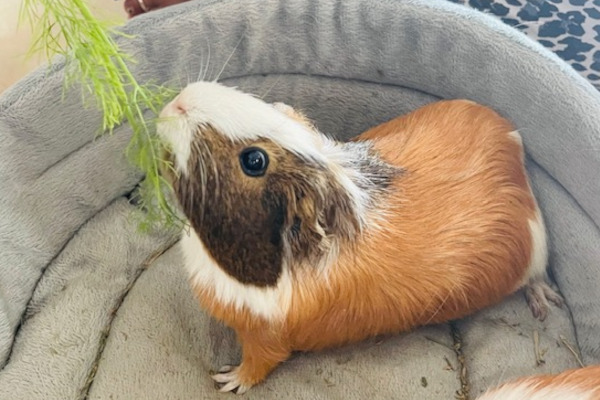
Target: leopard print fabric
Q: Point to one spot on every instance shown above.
(570, 28)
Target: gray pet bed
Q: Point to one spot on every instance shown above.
(90, 307)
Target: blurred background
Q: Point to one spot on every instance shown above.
(15, 37)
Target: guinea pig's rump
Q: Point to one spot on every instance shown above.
(463, 210)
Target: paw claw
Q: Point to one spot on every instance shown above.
(242, 389)
(229, 387)
(539, 295)
(554, 297)
(221, 378)
(225, 368)
(228, 376)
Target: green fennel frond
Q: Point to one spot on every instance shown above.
(93, 60)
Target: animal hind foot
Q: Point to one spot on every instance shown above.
(539, 295)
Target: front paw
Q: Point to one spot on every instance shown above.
(231, 380)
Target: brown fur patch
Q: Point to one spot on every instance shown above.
(233, 214)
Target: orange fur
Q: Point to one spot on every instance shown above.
(583, 380)
(441, 252)
(455, 238)
(263, 346)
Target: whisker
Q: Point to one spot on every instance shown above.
(229, 58)
(203, 63)
(271, 87)
(207, 61)
(216, 174)
(205, 154)
(214, 169)
(202, 172)
(501, 378)
(443, 302)
(178, 78)
(201, 66)
(200, 57)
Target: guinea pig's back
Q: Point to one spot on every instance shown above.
(454, 234)
(463, 209)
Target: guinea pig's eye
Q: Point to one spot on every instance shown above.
(254, 161)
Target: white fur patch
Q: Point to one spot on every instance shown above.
(536, 271)
(269, 303)
(524, 391)
(178, 134)
(516, 136)
(237, 116)
(539, 248)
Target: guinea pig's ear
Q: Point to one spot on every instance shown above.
(318, 212)
(293, 114)
(339, 214)
(284, 108)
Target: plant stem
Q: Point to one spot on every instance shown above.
(93, 58)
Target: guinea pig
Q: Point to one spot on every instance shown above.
(300, 243)
(574, 384)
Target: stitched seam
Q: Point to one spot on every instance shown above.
(25, 316)
(85, 391)
(462, 371)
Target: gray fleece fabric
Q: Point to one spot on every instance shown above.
(91, 308)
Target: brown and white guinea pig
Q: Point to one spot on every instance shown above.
(575, 384)
(300, 243)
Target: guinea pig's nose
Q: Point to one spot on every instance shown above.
(179, 107)
(175, 108)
